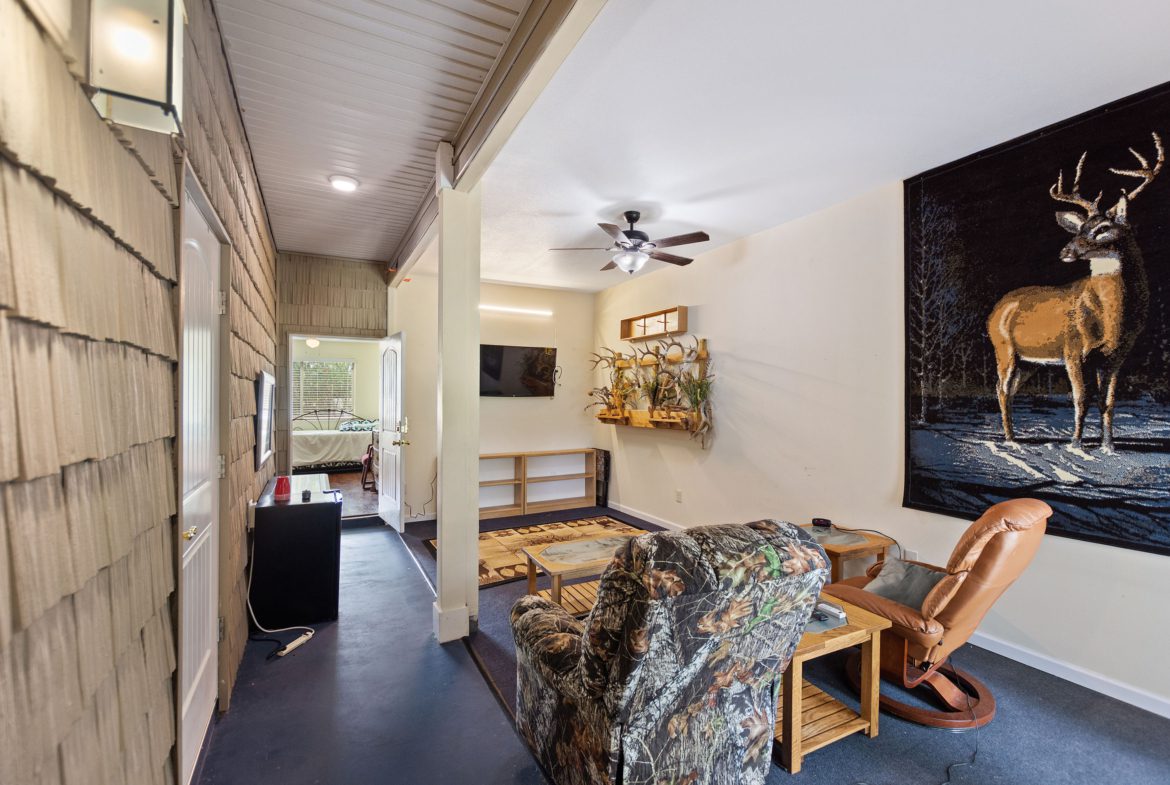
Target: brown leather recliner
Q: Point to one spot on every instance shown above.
(992, 553)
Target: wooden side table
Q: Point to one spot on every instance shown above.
(809, 718)
(841, 545)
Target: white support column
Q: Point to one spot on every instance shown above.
(457, 604)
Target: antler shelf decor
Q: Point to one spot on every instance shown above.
(673, 379)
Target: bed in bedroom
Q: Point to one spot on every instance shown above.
(330, 439)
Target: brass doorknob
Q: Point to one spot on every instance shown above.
(189, 534)
(400, 443)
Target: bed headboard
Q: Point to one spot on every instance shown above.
(322, 420)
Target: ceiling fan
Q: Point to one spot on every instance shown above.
(634, 247)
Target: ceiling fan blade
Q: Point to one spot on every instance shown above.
(595, 248)
(616, 233)
(669, 257)
(682, 239)
(609, 266)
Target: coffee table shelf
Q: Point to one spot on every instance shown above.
(577, 598)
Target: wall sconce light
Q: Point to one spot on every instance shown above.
(136, 62)
(522, 311)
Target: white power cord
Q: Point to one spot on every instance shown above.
(296, 643)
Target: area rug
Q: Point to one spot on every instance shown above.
(501, 559)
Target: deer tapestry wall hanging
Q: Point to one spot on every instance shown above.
(1038, 327)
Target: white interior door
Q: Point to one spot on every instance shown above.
(199, 475)
(393, 436)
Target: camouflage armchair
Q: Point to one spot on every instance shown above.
(673, 677)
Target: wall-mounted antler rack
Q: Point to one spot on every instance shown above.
(673, 379)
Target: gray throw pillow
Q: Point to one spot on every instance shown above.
(904, 582)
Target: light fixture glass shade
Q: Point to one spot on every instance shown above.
(343, 182)
(312, 343)
(630, 261)
(136, 62)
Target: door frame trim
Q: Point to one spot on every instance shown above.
(191, 186)
(333, 333)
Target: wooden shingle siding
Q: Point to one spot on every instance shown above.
(88, 353)
(323, 295)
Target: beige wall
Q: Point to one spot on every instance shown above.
(323, 295)
(505, 423)
(367, 368)
(805, 329)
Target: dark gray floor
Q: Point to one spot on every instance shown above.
(1048, 731)
(371, 699)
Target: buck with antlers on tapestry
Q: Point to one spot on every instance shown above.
(1090, 325)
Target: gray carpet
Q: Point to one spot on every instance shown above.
(1048, 731)
(371, 699)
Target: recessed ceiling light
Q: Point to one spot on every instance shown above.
(312, 343)
(343, 183)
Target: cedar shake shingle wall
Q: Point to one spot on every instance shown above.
(219, 154)
(88, 353)
(323, 295)
(87, 425)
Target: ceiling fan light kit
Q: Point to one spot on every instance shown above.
(633, 247)
(630, 261)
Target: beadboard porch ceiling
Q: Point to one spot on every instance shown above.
(362, 88)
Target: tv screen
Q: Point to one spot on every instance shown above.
(265, 419)
(517, 371)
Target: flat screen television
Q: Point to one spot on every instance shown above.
(265, 416)
(517, 371)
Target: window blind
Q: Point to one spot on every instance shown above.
(321, 384)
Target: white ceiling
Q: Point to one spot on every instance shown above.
(365, 88)
(735, 117)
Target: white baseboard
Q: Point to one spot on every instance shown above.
(1092, 680)
(654, 519)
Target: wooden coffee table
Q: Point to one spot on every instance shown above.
(570, 559)
(842, 545)
(808, 718)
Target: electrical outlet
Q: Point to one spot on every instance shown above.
(678, 495)
(909, 555)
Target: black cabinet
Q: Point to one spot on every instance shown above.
(297, 555)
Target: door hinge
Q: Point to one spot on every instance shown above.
(221, 466)
(221, 630)
(222, 302)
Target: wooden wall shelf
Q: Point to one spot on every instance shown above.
(530, 468)
(642, 418)
(657, 324)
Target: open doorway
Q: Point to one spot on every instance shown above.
(335, 389)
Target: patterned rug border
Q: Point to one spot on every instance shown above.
(431, 543)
